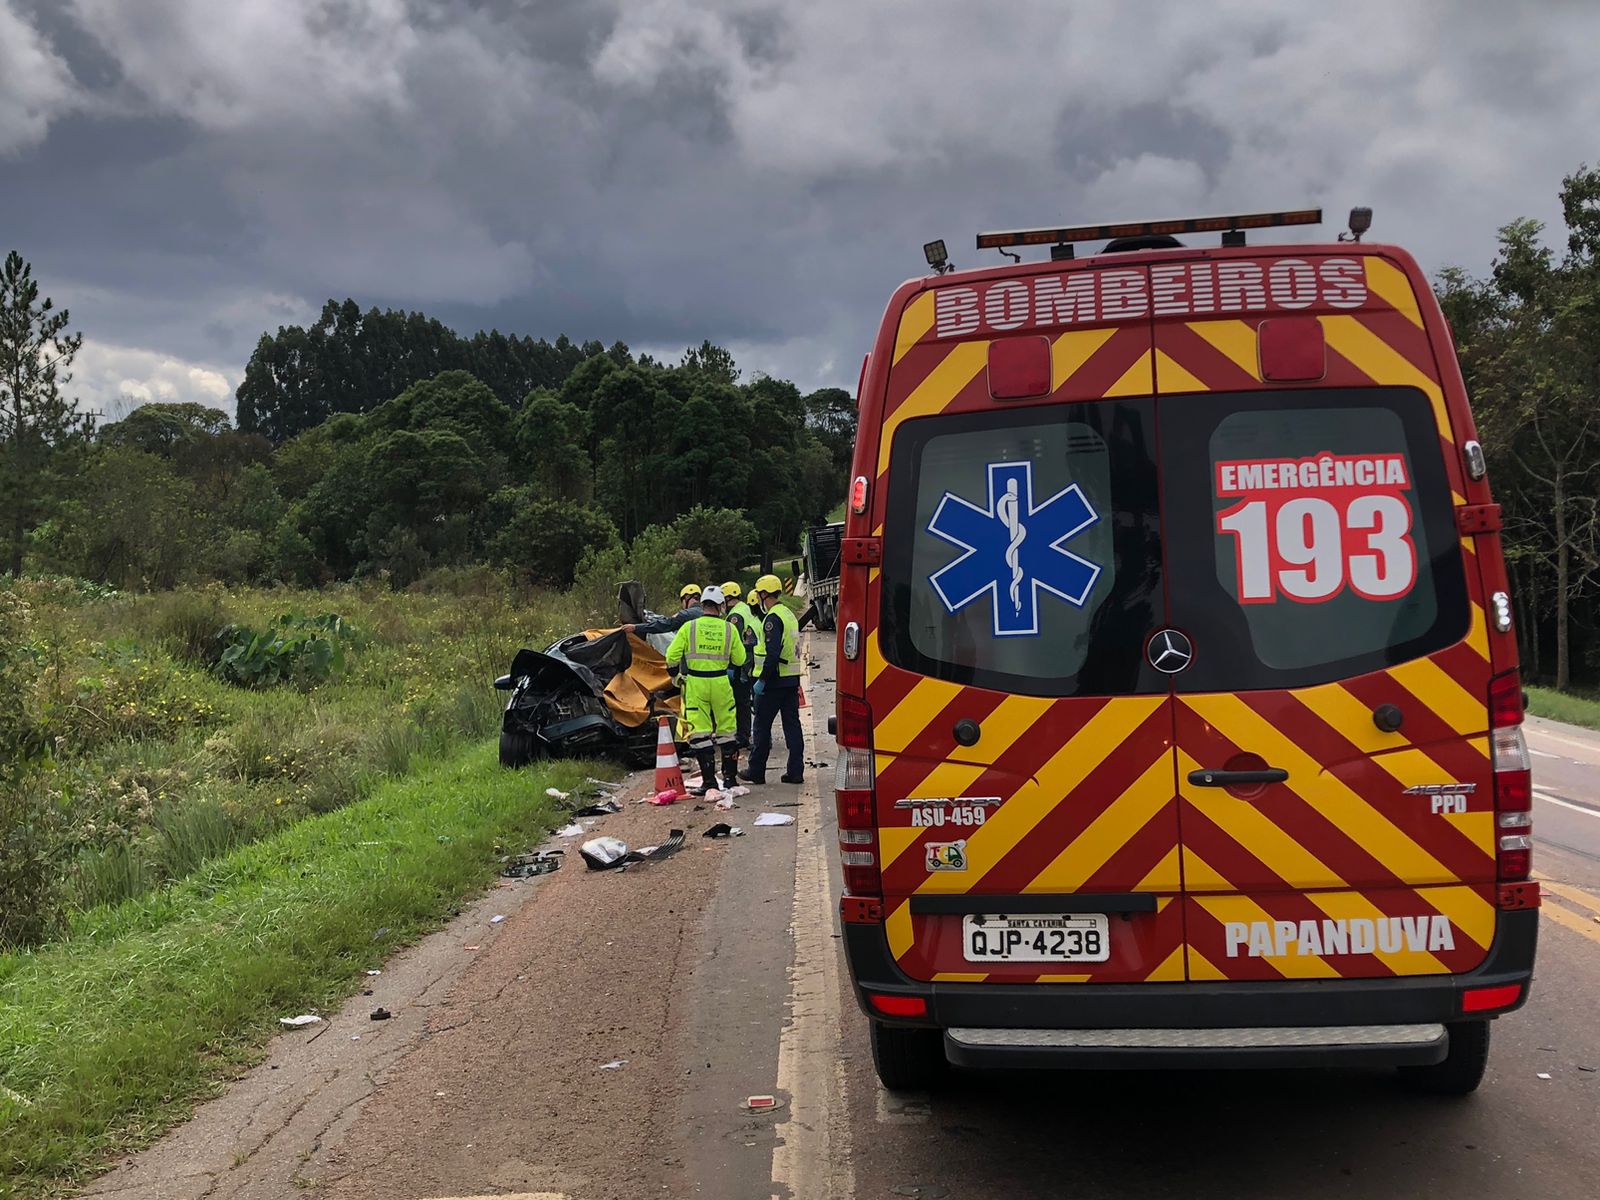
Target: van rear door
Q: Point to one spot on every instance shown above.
(1023, 744)
(1338, 625)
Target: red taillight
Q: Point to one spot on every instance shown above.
(856, 800)
(898, 1006)
(1505, 700)
(1486, 998)
(858, 495)
(1513, 780)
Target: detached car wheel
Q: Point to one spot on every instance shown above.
(516, 749)
(1462, 1069)
(907, 1060)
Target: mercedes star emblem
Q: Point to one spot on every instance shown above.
(1170, 651)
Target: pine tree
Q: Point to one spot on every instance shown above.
(36, 353)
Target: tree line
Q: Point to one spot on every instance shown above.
(383, 443)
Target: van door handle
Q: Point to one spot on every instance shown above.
(1203, 778)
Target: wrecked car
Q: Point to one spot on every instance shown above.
(595, 692)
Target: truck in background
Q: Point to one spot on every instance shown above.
(822, 546)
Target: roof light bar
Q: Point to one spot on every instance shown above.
(1097, 233)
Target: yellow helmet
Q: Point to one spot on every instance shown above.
(732, 590)
(770, 584)
(688, 589)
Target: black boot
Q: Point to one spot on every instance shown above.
(730, 767)
(708, 771)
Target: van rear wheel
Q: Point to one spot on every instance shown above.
(907, 1060)
(1463, 1066)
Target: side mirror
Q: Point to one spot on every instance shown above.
(503, 684)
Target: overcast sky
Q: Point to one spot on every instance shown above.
(185, 174)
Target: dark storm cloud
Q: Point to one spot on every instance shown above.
(187, 174)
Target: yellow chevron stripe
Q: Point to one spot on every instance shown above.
(1392, 286)
(1326, 792)
(1353, 719)
(875, 661)
(1171, 968)
(1411, 767)
(1346, 905)
(1137, 380)
(1380, 361)
(1110, 831)
(1001, 729)
(1235, 339)
(897, 927)
(1072, 349)
(1478, 632)
(1243, 908)
(1051, 784)
(1200, 966)
(1467, 910)
(960, 976)
(933, 394)
(915, 321)
(1165, 876)
(1245, 823)
(894, 730)
(1434, 686)
(1065, 978)
(1201, 876)
(1171, 377)
(895, 840)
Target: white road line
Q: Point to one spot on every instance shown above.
(812, 1160)
(1591, 747)
(1578, 808)
(1543, 753)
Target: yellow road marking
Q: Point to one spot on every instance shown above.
(1584, 926)
(1574, 894)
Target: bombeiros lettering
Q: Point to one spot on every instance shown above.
(1189, 289)
(1352, 935)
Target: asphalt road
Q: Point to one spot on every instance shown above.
(596, 1036)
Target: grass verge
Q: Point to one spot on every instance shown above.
(1564, 706)
(110, 1036)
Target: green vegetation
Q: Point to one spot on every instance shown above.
(112, 1035)
(131, 763)
(1573, 708)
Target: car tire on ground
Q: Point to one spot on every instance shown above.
(907, 1060)
(825, 615)
(1462, 1069)
(516, 749)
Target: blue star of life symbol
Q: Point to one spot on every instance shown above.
(1012, 550)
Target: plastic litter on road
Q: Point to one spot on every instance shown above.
(302, 1020)
(497, 918)
(602, 809)
(614, 1066)
(573, 830)
(723, 830)
(666, 796)
(774, 819)
(609, 853)
(557, 794)
(374, 972)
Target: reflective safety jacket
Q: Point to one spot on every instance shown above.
(782, 626)
(706, 647)
(752, 624)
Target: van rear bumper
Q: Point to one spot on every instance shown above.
(1246, 1005)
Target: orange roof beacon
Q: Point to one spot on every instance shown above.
(1178, 705)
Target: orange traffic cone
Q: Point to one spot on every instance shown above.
(669, 777)
(804, 703)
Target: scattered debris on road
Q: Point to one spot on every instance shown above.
(664, 797)
(381, 1014)
(472, 947)
(760, 1103)
(374, 972)
(523, 866)
(557, 794)
(615, 1065)
(301, 1021)
(573, 830)
(774, 819)
(603, 809)
(722, 830)
(609, 853)
(497, 918)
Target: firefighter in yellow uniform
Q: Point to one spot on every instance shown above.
(740, 616)
(702, 653)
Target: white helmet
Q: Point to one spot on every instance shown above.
(711, 595)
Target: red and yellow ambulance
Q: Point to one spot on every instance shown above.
(1179, 717)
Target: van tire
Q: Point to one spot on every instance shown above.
(1463, 1066)
(907, 1060)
